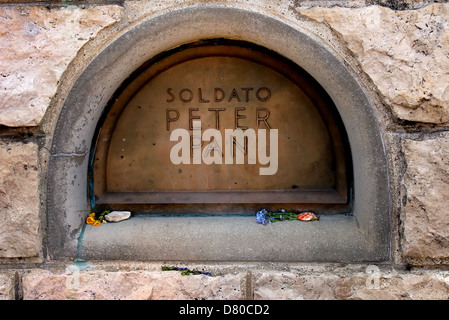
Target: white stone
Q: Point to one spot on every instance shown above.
(116, 216)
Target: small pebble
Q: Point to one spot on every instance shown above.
(116, 216)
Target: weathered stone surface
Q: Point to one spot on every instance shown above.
(377, 285)
(132, 285)
(404, 52)
(393, 4)
(372, 283)
(19, 200)
(426, 193)
(6, 287)
(36, 45)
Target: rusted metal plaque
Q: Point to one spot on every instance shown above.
(172, 135)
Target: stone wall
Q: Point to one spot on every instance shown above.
(399, 49)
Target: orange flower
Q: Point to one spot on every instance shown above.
(97, 223)
(90, 220)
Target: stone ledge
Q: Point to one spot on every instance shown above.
(228, 238)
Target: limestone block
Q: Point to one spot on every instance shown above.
(405, 53)
(369, 285)
(426, 192)
(36, 45)
(77, 284)
(6, 287)
(19, 199)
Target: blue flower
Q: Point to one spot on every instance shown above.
(261, 216)
(266, 221)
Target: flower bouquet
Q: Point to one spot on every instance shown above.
(264, 217)
(97, 218)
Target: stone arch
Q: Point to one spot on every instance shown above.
(362, 236)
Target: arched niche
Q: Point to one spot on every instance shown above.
(359, 234)
(226, 86)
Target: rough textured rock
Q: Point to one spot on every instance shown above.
(132, 285)
(369, 285)
(19, 200)
(404, 52)
(36, 45)
(6, 287)
(426, 208)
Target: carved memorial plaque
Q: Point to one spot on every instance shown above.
(220, 123)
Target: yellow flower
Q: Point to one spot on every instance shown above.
(92, 215)
(97, 223)
(90, 220)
